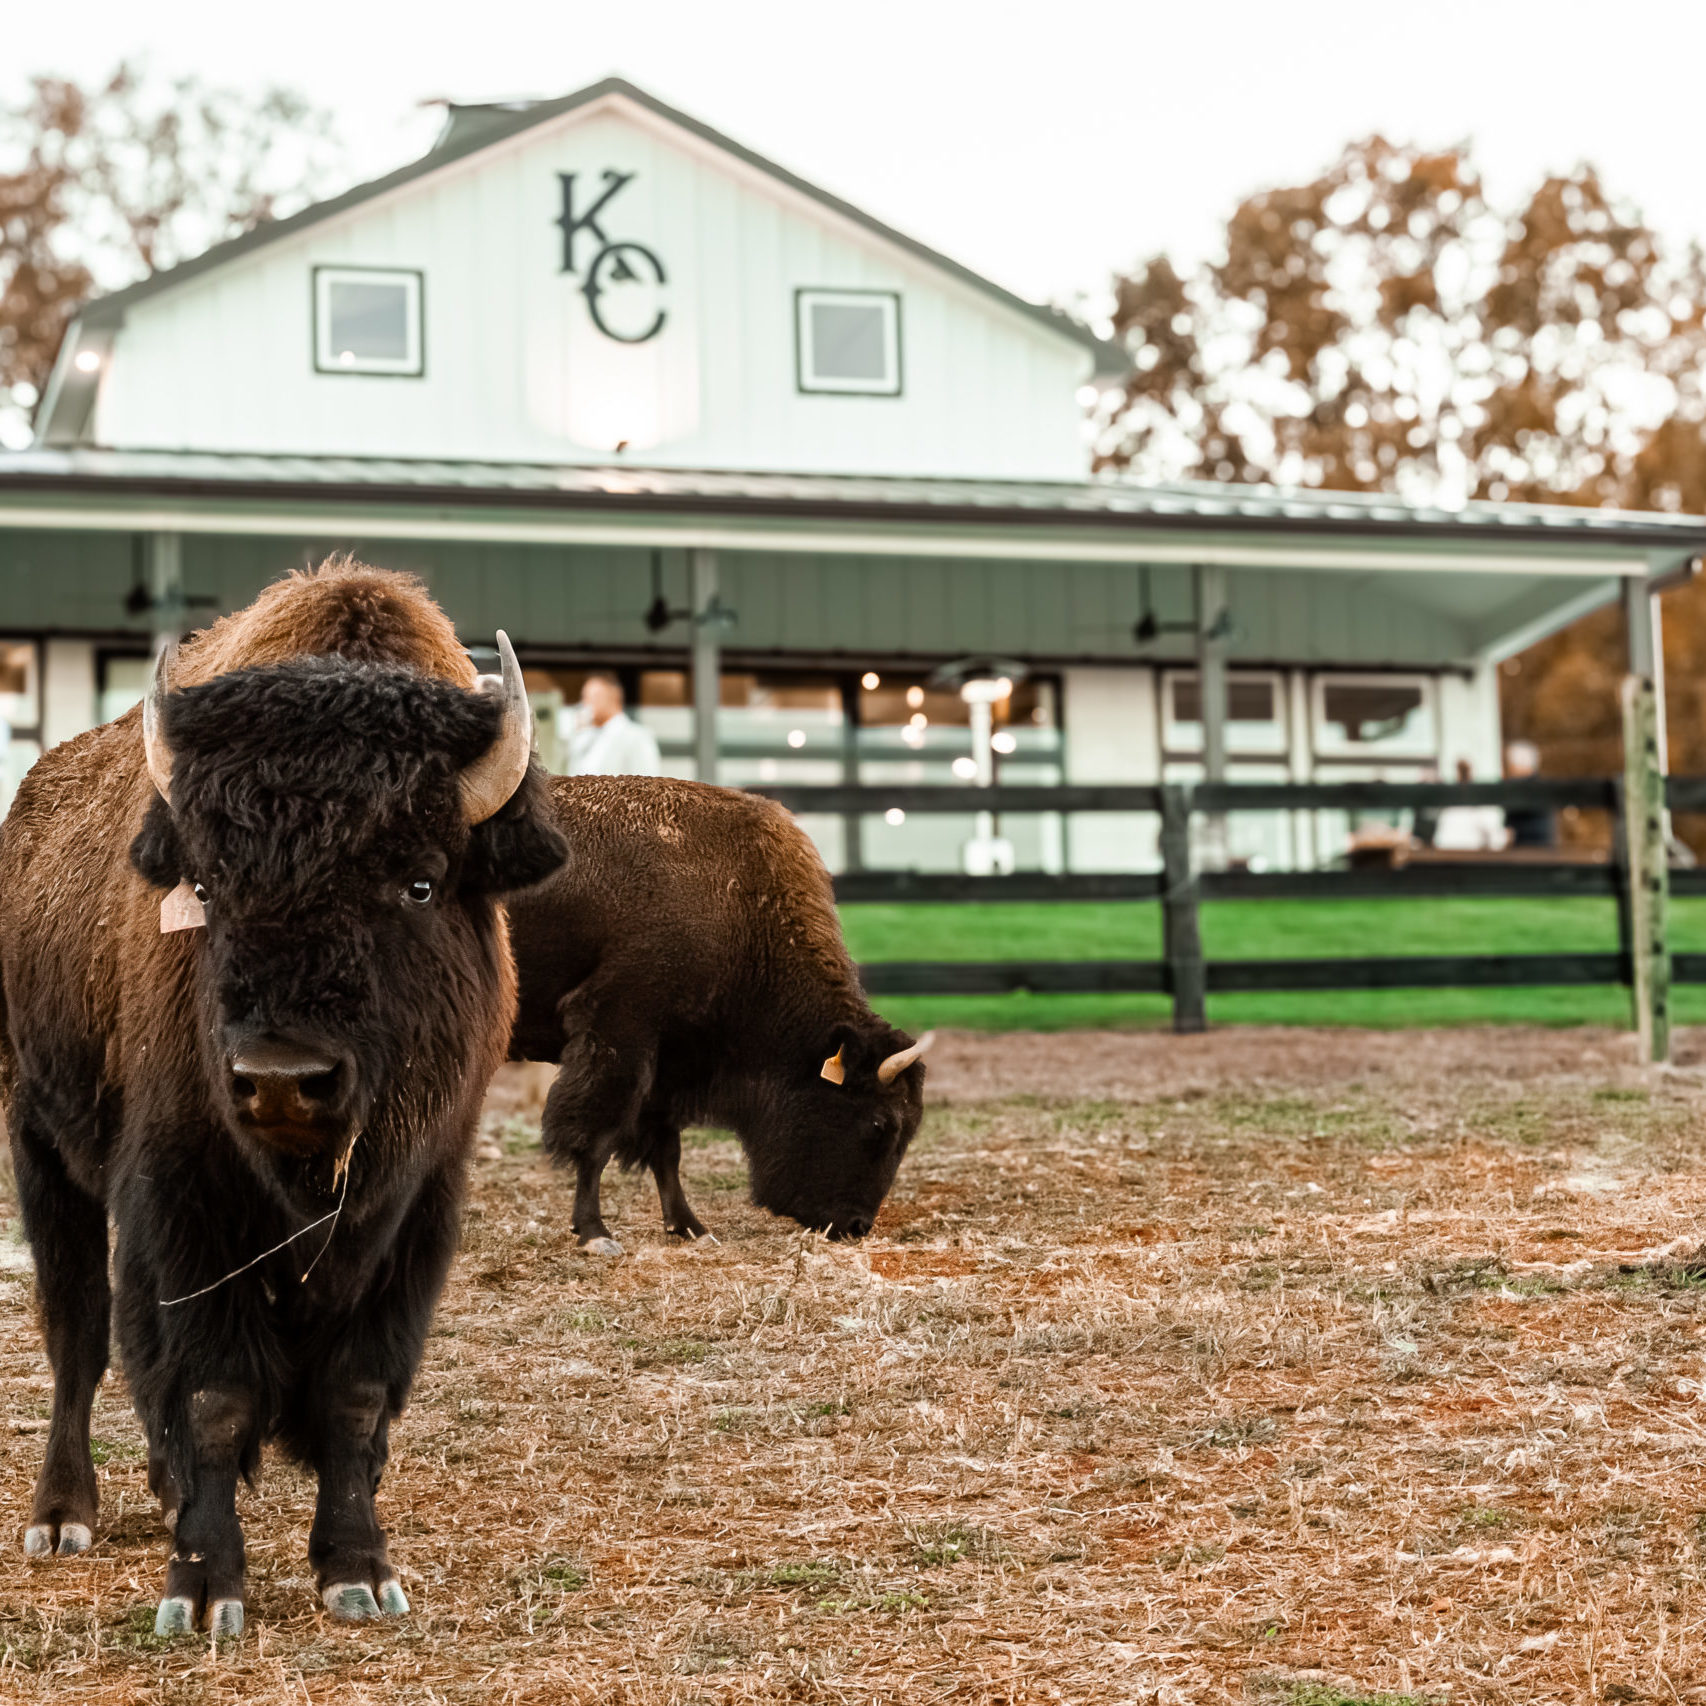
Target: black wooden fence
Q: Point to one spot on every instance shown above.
(1179, 888)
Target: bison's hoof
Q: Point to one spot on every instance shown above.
(392, 1600)
(225, 1619)
(72, 1537)
(175, 1617)
(350, 1602)
(603, 1247)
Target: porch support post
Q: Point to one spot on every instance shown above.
(707, 662)
(1640, 625)
(165, 558)
(1181, 934)
(1212, 636)
(1656, 644)
(852, 824)
(1644, 824)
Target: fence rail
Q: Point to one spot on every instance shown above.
(1223, 977)
(1414, 882)
(1634, 876)
(1554, 793)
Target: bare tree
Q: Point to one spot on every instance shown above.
(100, 186)
(1385, 328)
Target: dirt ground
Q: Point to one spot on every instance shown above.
(1316, 1369)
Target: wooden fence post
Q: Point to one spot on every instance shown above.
(1181, 937)
(1647, 866)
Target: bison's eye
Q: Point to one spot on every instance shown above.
(199, 892)
(419, 892)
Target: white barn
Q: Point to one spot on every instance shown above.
(588, 362)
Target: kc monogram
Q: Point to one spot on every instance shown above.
(614, 263)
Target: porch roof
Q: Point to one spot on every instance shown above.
(1106, 520)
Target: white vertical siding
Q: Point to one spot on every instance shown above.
(1300, 763)
(1469, 723)
(516, 371)
(68, 690)
(1112, 736)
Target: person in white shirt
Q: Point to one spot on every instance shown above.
(1470, 829)
(605, 740)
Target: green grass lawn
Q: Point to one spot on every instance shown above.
(1272, 929)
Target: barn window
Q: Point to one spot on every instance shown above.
(1255, 713)
(1388, 714)
(848, 342)
(368, 320)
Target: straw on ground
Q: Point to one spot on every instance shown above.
(1255, 1367)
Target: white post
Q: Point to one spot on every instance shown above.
(1644, 621)
(1301, 758)
(1656, 625)
(166, 589)
(1211, 683)
(707, 663)
(1646, 821)
(986, 854)
(1640, 625)
(983, 756)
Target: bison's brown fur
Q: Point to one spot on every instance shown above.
(117, 1083)
(342, 608)
(687, 964)
(77, 920)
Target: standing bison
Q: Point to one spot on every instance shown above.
(687, 964)
(270, 1081)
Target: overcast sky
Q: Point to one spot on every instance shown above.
(1043, 145)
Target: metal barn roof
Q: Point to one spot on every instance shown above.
(473, 128)
(1005, 518)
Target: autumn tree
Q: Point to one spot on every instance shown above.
(99, 186)
(1386, 328)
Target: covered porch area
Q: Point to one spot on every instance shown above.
(789, 630)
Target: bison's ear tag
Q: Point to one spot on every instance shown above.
(833, 1070)
(181, 910)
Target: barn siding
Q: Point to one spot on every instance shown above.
(515, 371)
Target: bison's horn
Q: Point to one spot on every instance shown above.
(896, 1064)
(489, 781)
(154, 746)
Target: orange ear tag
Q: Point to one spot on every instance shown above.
(180, 910)
(833, 1070)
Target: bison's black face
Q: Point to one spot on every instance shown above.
(344, 827)
(839, 1130)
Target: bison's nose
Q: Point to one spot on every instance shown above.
(856, 1226)
(279, 1083)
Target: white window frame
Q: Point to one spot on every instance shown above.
(811, 383)
(30, 726)
(1173, 744)
(412, 364)
(1382, 750)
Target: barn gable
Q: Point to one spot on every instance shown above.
(595, 279)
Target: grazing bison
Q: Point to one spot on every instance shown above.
(271, 1081)
(687, 964)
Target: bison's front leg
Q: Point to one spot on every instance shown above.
(341, 1414)
(592, 1110)
(194, 1344)
(206, 1569)
(350, 1441)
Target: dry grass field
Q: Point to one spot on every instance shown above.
(1308, 1369)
